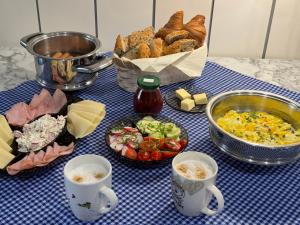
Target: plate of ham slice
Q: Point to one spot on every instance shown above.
(24, 113)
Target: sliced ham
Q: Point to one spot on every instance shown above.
(50, 154)
(64, 150)
(41, 104)
(59, 99)
(40, 159)
(19, 114)
(23, 164)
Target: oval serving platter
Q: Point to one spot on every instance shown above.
(64, 138)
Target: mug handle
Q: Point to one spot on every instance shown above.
(217, 193)
(111, 196)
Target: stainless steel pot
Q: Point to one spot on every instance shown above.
(66, 60)
(251, 100)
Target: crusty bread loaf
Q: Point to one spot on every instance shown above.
(176, 35)
(121, 45)
(156, 47)
(138, 37)
(182, 45)
(143, 51)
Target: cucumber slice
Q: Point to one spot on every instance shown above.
(157, 135)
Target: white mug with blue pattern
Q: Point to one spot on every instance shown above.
(192, 196)
(89, 201)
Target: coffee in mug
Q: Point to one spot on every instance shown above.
(87, 173)
(194, 169)
(193, 183)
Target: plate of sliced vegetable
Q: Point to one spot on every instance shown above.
(146, 141)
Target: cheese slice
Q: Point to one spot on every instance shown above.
(187, 104)
(182, 94)
(78, 126)
(200, 99)
(5, 158)
(89, 103)
(96, 109)
(84, 117)
(4, 146)
(93, 118)
(6, 133)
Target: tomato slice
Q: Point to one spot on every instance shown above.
(161, 143)
(172, 144)
(131, 153)
(156, 155)
(168, 154)
(143, 156)
(183, 143)
(149, 145)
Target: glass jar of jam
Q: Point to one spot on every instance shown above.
(147, 98)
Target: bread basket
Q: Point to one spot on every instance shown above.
(170, 68)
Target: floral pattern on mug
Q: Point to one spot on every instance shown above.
(177, 193)
(85, 205)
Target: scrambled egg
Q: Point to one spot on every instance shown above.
(259, 127)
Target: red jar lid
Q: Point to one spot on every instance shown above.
(148, 82)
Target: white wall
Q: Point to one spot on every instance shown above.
(239, 27)
(285, 33)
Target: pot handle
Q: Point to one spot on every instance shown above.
(102, 62)
(24, 40)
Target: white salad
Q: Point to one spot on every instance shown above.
(39, 133)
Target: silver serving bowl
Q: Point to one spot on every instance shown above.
(251, 100)
(76, 71)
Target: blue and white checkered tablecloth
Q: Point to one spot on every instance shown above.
(253, 194)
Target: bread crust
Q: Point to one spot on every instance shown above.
(176, 21)
(139, 37)
(176, 35)
(196, 29)
(182, 45)
(156, 47)
(143, 51)
(121, 45)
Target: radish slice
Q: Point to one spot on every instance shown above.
(131, 129)
(124, 150)
(119, 147)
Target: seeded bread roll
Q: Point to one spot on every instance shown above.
(182, 45)
(138, 37)
(176, 35)
(143, 51)
(132, 53)
(121, 45)
(156, 47)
